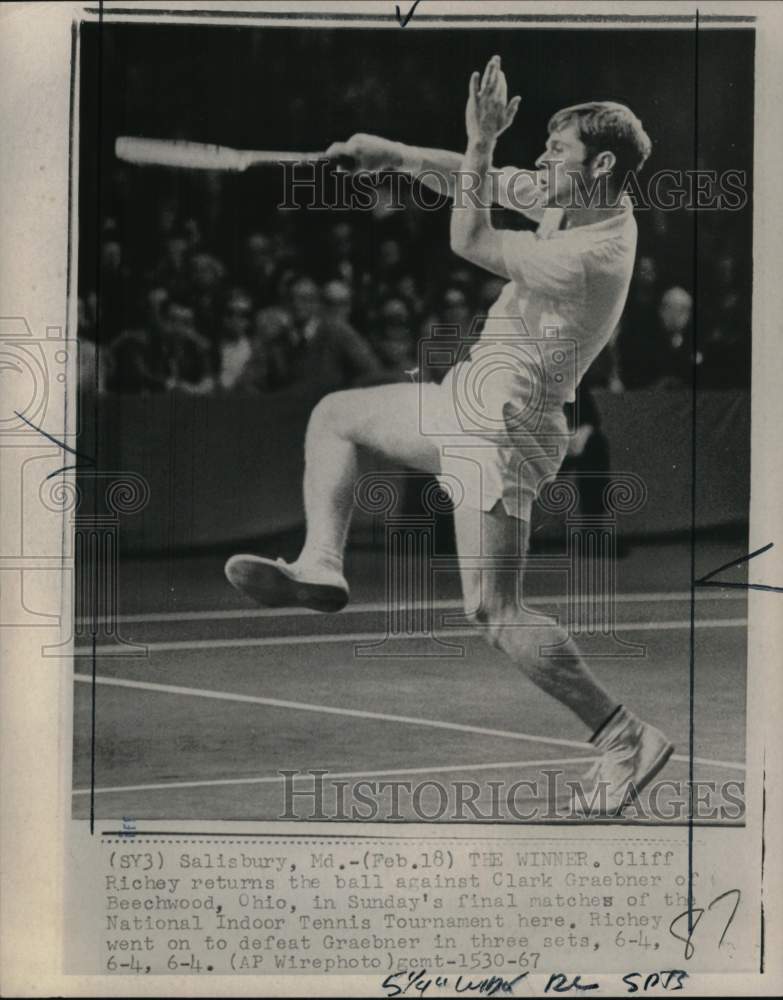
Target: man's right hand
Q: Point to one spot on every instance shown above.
(367, 152)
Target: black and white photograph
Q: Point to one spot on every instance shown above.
(431, 429)
(390, 555)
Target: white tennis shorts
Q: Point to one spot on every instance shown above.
(494, 445)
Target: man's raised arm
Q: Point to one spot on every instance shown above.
(441, 170)
(487, 115)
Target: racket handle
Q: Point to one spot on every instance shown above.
(344, 162)
(258, 159)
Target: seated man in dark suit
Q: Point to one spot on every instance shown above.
(325, 350)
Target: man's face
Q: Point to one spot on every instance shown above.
(455, 306)
(337, 301)
(272, 324)
(646, 271)
(305, 301)
(341, 239)
(206, 272)
(259, 252)
(559, 164)
(236, 319)
(176, 248)
(675, 310)
(111, 256)
(180, 321)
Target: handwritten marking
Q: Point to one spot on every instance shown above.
(404, 20)
(421, 980)
(707, 580)
(60, 444)
(694, 915)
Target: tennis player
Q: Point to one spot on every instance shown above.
(501, 409)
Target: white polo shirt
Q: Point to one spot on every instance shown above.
(565, 297)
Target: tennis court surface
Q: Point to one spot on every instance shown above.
(226, 696)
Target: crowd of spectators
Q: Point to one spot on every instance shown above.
(344, 299)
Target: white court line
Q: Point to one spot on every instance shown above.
(302, 706)
(342, 774)
(368, 606)
(370, 637)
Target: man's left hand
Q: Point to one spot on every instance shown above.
(489, 112)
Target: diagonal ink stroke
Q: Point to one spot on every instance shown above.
(707, 579)
(404, 20)
(60, 444)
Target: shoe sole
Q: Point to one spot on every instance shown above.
(268, 584)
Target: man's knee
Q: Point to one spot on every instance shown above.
(504, 625)
(492, 619)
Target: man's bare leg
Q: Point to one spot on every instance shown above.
(384, 419)
(493, 599)
(632, 752)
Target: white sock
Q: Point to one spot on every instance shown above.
(605, 735)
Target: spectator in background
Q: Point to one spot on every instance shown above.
(450, 324)
(675, 340)
(166, 219)
(408, 290)
(138, 358)
(191, 227)
(325, 351)
(269, 366)
(635, 337)
(664, 357)
(235, 347)
(337, 301)
(206, 281)
(189, 353)
(260, 270)
(275, 251)
(455, 309)
(643, 295)
(340, 257)
(286, 245)
(387, 271)
(588, 453)
(587, 457)
(451, 309)
(463, 279)
(171, 271)
(388, 279)
(387, 218)
(394, 342)
(114, 292)
(92, 360)
(726, 337)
